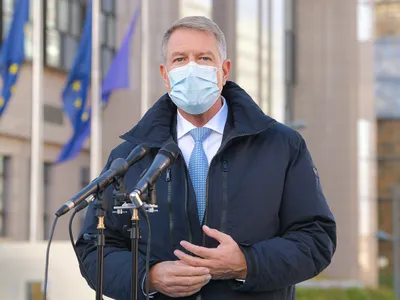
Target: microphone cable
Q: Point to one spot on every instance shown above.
(72, 240)
(79, 258)
(71, 237)
(46, 269)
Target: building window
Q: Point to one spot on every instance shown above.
(85, 177)
(7, 8)
(7, 12)
(248, 46)
(64, 24)
(108, 33)
(266, 56)
(196, 8)
(387, 18)
(85, 180)
(64, 20)
(47, 168)
(278, 105)
(4, 188)
(260, 61)
(53, 114)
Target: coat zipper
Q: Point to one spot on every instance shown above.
(187, 203)
(169, 201)
(224, 195)
(186, 199)
(229, 139)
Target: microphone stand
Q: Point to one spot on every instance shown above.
(135, 236)
(100, 211)
(120, 195)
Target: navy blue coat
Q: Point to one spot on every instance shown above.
(263, 190)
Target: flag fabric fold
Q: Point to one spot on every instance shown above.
(75, 91)
(117, 77)
(118, 74)
(12, 53)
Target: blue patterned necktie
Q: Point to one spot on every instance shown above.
(198, 168)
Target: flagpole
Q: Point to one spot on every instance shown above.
(96, 139)
(36, 188)
(145, 57)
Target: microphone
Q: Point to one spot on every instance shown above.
(137, 154)
(85, 203)
(118, 168)
(164, 158)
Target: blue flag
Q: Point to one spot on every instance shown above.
(12, 52)
(75, 91)
(117, 77)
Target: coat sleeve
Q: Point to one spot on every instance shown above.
(307, 239)
(117, 251)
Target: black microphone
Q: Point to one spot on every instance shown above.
(137, 154)
(118, 168)
(84, 204)
(164, 158)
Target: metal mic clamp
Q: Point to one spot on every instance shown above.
(120, 195)
(135, 203)
(150, 208)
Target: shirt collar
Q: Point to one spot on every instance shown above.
(217, 123)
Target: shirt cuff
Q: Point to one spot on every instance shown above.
(151, 295)
(241, 280)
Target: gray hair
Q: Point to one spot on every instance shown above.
(196, 23)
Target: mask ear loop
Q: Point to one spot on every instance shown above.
(222, 86)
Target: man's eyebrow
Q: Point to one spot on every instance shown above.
(178, 54)
(209, 53)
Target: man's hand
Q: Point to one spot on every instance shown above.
(226, 261)
(177, 279)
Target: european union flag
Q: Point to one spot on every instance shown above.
(12, 52)
(118, 74)
(117, 77)
(75, 91)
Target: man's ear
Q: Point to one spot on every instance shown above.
(164, 75)
(226, 68)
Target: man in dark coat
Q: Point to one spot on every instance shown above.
(242, 214)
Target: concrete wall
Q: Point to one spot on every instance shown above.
(26, 264)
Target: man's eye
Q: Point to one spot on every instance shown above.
(205, 58)
(179, 59)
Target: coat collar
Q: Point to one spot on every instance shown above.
(158, 125)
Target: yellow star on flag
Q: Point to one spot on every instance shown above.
(85, 116)
(76, 85)
(14, 69)
(78, 103)
(1, 102)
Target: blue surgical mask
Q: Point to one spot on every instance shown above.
(194, 87)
